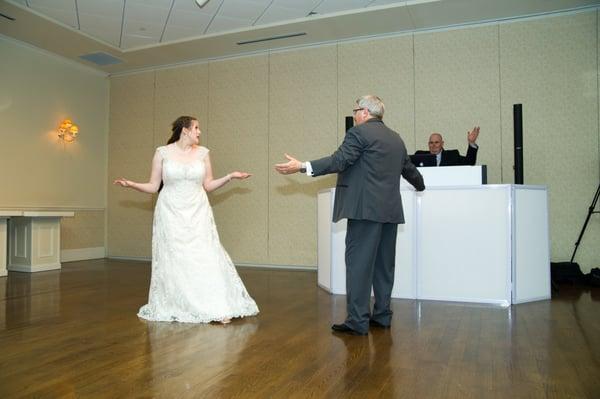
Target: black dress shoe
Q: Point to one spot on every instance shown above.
(374, 323)
(342, 328)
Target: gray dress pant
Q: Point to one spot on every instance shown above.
(370, 262)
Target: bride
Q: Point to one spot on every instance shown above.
(193, 278)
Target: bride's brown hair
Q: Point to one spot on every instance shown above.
(178, 125)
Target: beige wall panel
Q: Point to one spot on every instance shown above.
(238, 139)
(457, 87)
(550, 66)
(37, 169)
(131, 147)
(303, 121)
(383, 67)
(180, 91)
(84, 230)
(252, 109)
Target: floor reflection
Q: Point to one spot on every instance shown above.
(29, 297)
(576, 292)
(367, 358)
(186, 358)
(3, 299)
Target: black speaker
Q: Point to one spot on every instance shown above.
(518, 142)
(349, 122)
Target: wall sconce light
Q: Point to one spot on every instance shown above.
(68, 131)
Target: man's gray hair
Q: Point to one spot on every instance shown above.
(373, 104)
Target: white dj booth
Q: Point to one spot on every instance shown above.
(462, 240)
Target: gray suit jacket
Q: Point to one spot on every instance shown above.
(369, 163)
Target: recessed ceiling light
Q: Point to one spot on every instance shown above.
(201, 3)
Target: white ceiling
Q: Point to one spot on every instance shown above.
(149, 33)
(128, 24)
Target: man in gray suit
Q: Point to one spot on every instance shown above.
(369, 164)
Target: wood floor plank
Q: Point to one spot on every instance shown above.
(74, 333)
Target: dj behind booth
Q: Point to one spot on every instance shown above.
(438, 156)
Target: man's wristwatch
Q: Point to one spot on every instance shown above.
(303, 167)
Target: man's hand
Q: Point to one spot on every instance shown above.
(292, 166)
(472, 135)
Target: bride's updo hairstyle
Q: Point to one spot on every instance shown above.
(178, 125)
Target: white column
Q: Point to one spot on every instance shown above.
(4, 216)
(3, 240)
(34, 241)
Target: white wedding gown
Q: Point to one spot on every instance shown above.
(193, 278)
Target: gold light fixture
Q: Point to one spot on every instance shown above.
(68, 131)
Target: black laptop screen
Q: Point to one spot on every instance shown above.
(423, 160)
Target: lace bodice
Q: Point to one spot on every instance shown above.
(178, 169)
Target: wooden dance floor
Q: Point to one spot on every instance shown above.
(74, 334)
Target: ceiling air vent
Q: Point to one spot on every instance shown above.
(7, 17)
(101, 58)
(266, 39)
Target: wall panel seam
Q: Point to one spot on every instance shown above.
(500, 106)
(268, 243)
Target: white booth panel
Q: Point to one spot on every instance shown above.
(486, 244)
(531, 257)
(442, 176)
(404, 275)
(464, 245)
(332, 246)
(324, 240)
(338, 259)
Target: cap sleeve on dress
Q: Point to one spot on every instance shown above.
(162, 150)
(202, 152)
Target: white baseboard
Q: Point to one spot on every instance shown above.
(32, 269)
(71, 255)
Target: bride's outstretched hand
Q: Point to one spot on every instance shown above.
(240, 175)
(122, 182)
